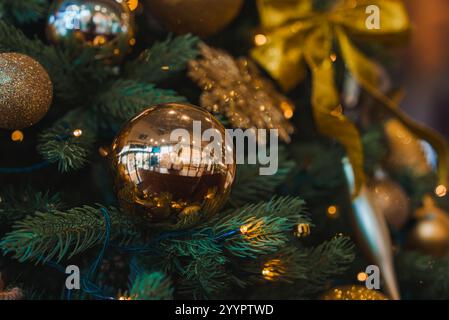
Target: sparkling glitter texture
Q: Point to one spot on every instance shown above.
(353, 293)
(26, 91)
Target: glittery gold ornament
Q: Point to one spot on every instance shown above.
(160, 179)
(26, 91)
(390, 199)
(430, 235)
(353, 293)
(236, 89)
(302, 230)
(104, 24)
(200, 17)
(405, 150)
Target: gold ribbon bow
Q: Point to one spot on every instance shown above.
(298, 35)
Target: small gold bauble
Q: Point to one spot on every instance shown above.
(104, 24)
(200, 17)
(391, 200)
(158, 179)
(353, 293)
(405, 150)
(430, 235)
(26, 91)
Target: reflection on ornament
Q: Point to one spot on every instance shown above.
(105, 24)
(353, 293)
(160, 180)
(26, 91)
(200, 17)
(430, 235)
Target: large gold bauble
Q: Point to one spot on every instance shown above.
(200, 17)
(161, 180)
(353, 293)
(405, 149)
(430, 235)
(104, 24)
(26, 91)
(391, 200)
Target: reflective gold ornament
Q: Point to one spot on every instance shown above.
(353, 293)
(302, 230)
(430, 235)
(390, 199)
(26, 91)
(200, 17)
(405, 150)
(159, 179)
(105, 24)
(237, 89)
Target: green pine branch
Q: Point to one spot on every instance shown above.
(423, 277)
(58, 145)
(126, 98)
(63, 234)
(17, 203)
(163, 60)
(23, 11)
(204, 278)
(74, 71)
(251, 187)
(152, 286)
(263, 228)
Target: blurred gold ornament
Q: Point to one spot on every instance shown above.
(430, 235)
(107, 25)
(160, 180)
(390, 199)
(302, 230)
(200, 17)
(237, 89)
(17, 136)
(26, 91)
(405, 150)
(353, 293)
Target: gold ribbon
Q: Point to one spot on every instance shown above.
(299, 36)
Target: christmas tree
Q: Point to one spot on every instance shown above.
(96, 203)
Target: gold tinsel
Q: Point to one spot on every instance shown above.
(235, 88)
(26, 91)
(353, 293)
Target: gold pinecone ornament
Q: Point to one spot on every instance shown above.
(26, 91)
(235, 88)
